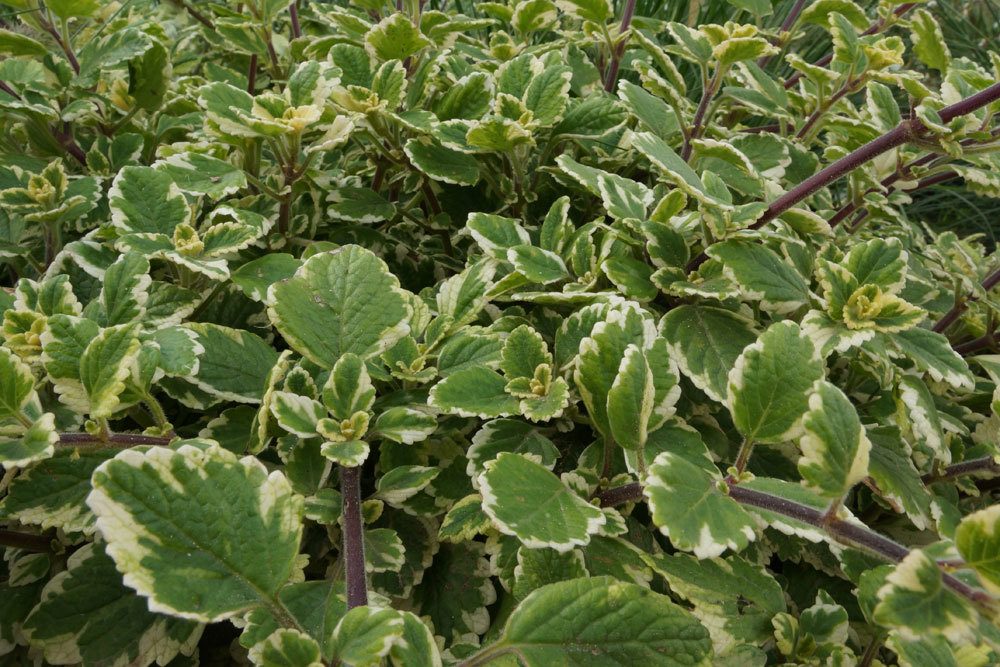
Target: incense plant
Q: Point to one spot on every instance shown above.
(538, 332)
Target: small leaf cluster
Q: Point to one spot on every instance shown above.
(524, 332)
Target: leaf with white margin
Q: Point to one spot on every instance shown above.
(88, 616)
(403, 482)
(200, 174)
(234, 363)
(630, 400)
(254, 277)
(923, 421)
(537, 265)
(467, 349)
(384, 551)
(349, 388)
(124, 292)
(35, 444)
(104, 366)
(734, 597)
(345, 300)
(496, 234)
(145, 200)
(405, 425)
(316, 606)
(761, 274)
(395, 38)
(538, 567)
(546, 96)
(441, 163)
(473, 392)
(600, 621)
(366, 634)
(526, 500)
(416, 647)
(287, 648)
(362, 205)
(463, 296)
(523, 351)
(349, 454)
(770, 383)
(834, 445)
(179, 350)
(206, 566)
(706, 342)
(664, 158)
(456, 591)
(978, 540)
(601, 354)
(508, 435)
(915, 602)
(52, 493)
(17, 387)
(879, 262)
(933, 354)
(898, 482)
(297, 414)
(623, 197)
(690, 507)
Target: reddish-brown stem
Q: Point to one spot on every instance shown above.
(26, 541)
(354, 545)
(63, 42)
(611, 78)
(976, 344)
(876, 27)
(113, 440)
(197, 16)
(697, 126)
(786, 25)
(904, 132)
(252, 75)
(961, 305)
(10, 91)
(822, 109)
(293, 11)
(984, 465)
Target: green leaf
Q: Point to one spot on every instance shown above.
(834, 444)
(149, 77)
(597, 11)
(915, 602)
(601, 621)
(297, 414)
(88, 616)
(761, 274)
(287, 648)
(395, 38)
(366, 634)
(933, 354)
(547, 95)
(18, 386)
(341, 301)
(205, 567)
(146, 200)
(16, 44)
(978, 540)
(67, 9)
(688, 503)
(52, 493)
(537, 265)
(105, 364)
(770, 383)
(256, 276)
(523, 351)
(359, 205)
(929, 44)
(473, 392)
(527, 501)
(35, 444)
(234, 364)
(125, 290)
(405, 425)
(631, 400)
(349, 388)
(199, 174)
(706, 342)
(442, 164)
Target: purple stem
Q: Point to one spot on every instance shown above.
(354, 544)
(611, 79)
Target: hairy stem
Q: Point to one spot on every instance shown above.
(252, 75)
(611, 78)
(196, 15)
(354, 545)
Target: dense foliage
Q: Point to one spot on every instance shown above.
(485, 333)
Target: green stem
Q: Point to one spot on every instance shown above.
(743, 457)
